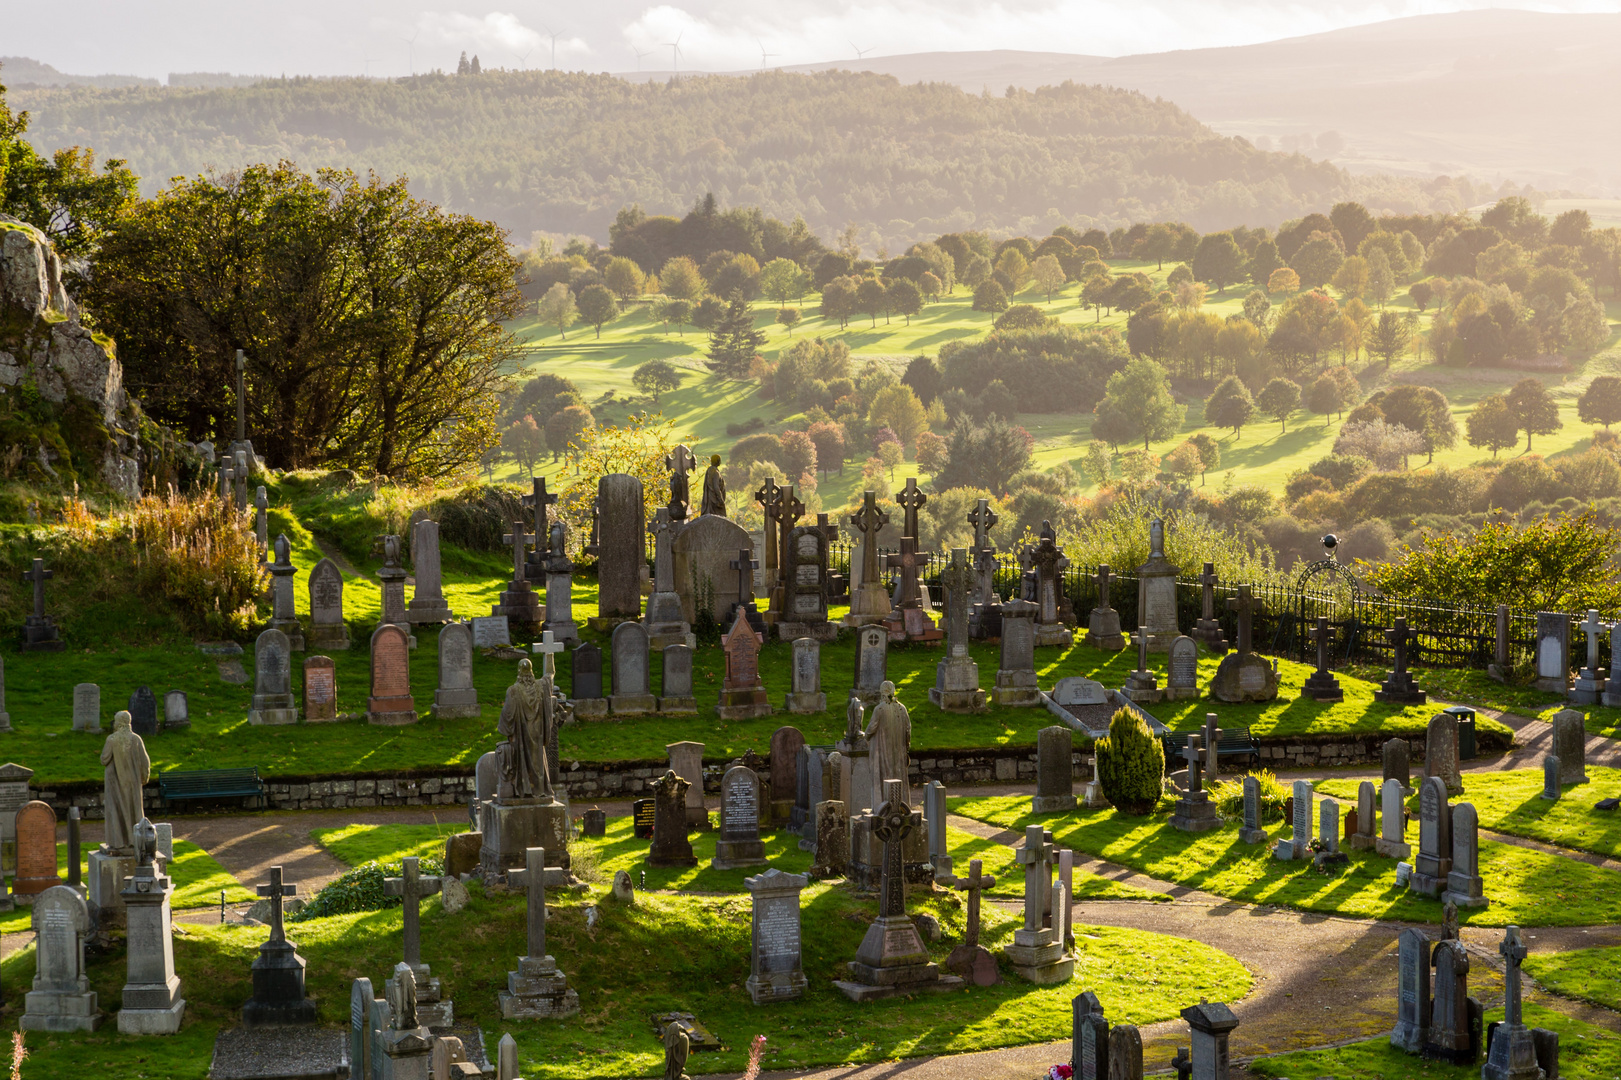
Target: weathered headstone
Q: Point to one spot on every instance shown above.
(621, 557)
(675, 682)
(1449, 1036)
(702, 553)
(1300, 841)
(1434, 839)
(1441, 752)
(1156, 593)
(1328, 835)
(273, 680)
(869, 602)
(1550, 777)
(1210, 1024)
(1125, 1052)
(742, 694)
(1207, 630)
(776, 967)
(687, 762)
(538, 989)
(328, 630)
(664, 619)
(1103, 624)
(956, 678)
(1016, 673)
(1393, 756)
(361, 1001)
(739, 843)
(786, 742)
(434, 1010)
(1392, 841)
(1612, 685)
(39, 629)
(1570, 745)
(283, 617)
(1048, 563)
(1321, 685)
(585, 681)
(1055, 786)
(491, 632)
(1412, 1029)
(1182, 670)
(152, 1004)
(176, 711)
(61, 998)
(143, 712)
(320, 689)
(428, 604)
(1367, 816)
(832, 840)
(670, 844)
(87, 707)
(1464, 886)
(559, 569)
(1242, 675)
(872, 663)
(806, 695)
(1037, 952)
(390, 702)
(1251, 832)
(1553, 652)
(632, 685)
(934, 819)
(1513, 1054)
(36, 849)
(278, 970)
(1089, 1038)
(806, 585)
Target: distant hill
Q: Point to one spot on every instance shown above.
(1521, 95)
(563, 152)
(16, 71)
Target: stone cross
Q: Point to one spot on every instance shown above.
(973, 884)
(1036, 856)
(261, 504)
(276, 891)
(1323, 636)
(1207, 582)
(241, 400)
(520, 542)
(1594, 628)
(1212, 742)
(892, 824)
(1103, 586)
(227, 474)
(745, 564)
(770, 499)
(1194, 754)
(594, 544)
(982, 517)
(957, 578)
(533, 878)
(911, 500)
(1247, 608)
(241, 477)
(911, 595)
(1400, 637)
(789, 510)
(867, 521)
(549, 648)
(538, 502)
(1513, 952)
(680, 462)
(662, 530)
(38, 575)
(412, 886)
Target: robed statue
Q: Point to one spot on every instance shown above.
(889, 740)
(127, 769)
(714, 489)
(528, 720)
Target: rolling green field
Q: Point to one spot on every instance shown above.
(1264, 455)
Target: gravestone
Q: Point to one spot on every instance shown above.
(390, 703)
(433, 1009)
(491, 632)
(642, 818)
(1321, 685)
(1328, 834)
(739, 843)
(152, 1004)
(776, 967)
(934, 820)
(1210, 1024)
(278, 970)
(1194, 810)
(786, 742)
(1513, 1053)
(538, 989)
(1103, 624)
(1612, 684)
(559, 569)
(328, 630)
(872, 663)
(87, 707)
(1392, 841)
(585, 681)
(1434, 839)
(1441, 752)
(1464, 886)
(1055, 786)
(1300, 824)
(1393, 756)
(687, 762)
(320, 690)
(1570, 745)
(1412, 1031)
(1016, 683)
(1367, 816)
(1142, 685)
(632, 687)
(1156, 593)
(143, 712)
(1251, 832)
(1550, 777)
(39, 629)
(518, 604)
(361, 1001)
(273, 680)
(61, 998)
(908, 618)
(1449, 1036)
(1182, 670)
(456, 696)
(956, 676)
(1089, 1039)
(1398, 687)
(1553, 652)
(176, 711)
(702, 553)
(1048, 563)
(1242, 675)
(832, 840)
(283, 616)
(1591, 680)
(1037, 953)
(1125, 1052)
(1207, 630)
(664, 622)
(806, 586)
(670, 845)
(675, 682)
(428, 604)
(806, 695)
(742, 694)
(391, 579)
(36, 849)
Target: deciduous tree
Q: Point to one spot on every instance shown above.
(1600, 403)
(1230, 405)
(1278, 398)
(655, 378)
(1492, 425)
(1534, 409)
(1138, 403)
(597, 306)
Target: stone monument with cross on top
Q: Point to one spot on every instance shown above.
(1207, 629)
(1589, 686)
(869, 600)
(537, 990)
(1037, 952)
(664, 619)
(970, 959)
(518, 602)
(39, 629)
(956, 678)
(909, 619)
(536, 503)
(680, 462)
(1048, 563)
(1103, 624)
(1398, 687)
(411, 886)
(911, 499)
(1321, 685)
(278, 971)
(790, 508)
(770, 499)
(1242, 675)
(746, 564)
(1194, 810)
(1513, 1054)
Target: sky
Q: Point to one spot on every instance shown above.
(391, 38)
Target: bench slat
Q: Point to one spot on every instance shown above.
(211, 784)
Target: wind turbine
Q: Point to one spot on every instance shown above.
(410, 48)
(675, 52)
(861, 54)
(554, 34)
(522, 60)
(369, 63)
(639, 54)
(763, 53)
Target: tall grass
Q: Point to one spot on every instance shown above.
(201, 555)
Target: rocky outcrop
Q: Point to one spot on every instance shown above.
(45, 350)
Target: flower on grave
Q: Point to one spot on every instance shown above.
(755, 1049)
(1060, 1072)
(1316, 844)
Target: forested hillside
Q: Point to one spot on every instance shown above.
(562, 152)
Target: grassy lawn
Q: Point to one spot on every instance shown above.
(1512, 802)
(1583, 974)
(1586, 1052)
(690, 952)
(197, 878)
(1525, 887)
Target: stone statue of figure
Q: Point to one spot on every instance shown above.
(527, 718)
(558, 540)
(714, 489)
(855, 716)
(1156, 538)
(391, 550)
(890, 740)
(1048, 532)
(405, 1011)
(676, 1048)
(128, 768)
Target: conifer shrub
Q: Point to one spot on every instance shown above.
(1131, 764)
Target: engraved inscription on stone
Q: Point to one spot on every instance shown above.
(741, 808)
(807, 603)
(779, 931)
(807, 575)
(390, 664)
(318, 687)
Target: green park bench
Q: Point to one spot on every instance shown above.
(1233, 744)
(177, 786)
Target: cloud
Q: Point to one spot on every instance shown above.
(500, 34)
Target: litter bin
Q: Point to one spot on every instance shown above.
(1466, 730)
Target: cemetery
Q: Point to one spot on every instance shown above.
(625, 808)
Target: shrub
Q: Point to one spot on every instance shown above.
(1302, 484)
(752, 424)
(201, 556)
(1131, 764)
(360, 889)
(1022, 317)
(1228, 795)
